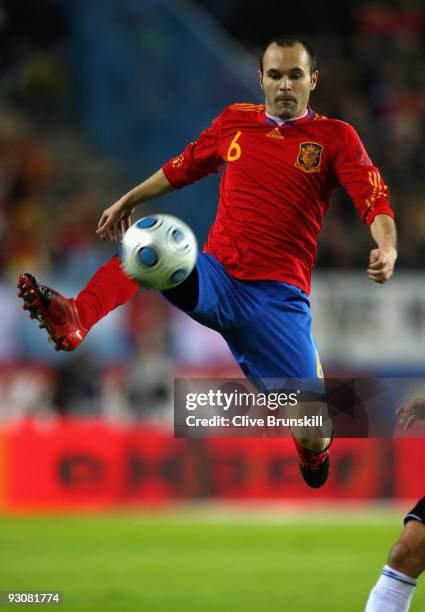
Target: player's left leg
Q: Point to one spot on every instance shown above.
(396, 586)
(274, 347)
(314, 459)
(267, 326)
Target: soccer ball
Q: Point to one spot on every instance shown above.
(158, 251)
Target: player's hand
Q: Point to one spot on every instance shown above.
(381, 264)
(115, 221)
(410, 412)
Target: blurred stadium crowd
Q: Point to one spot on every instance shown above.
(55, 179)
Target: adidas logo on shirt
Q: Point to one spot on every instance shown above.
(275, 133)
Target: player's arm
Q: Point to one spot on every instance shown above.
(364, 184)
(115, 220)
(382, 260)
(199, 159)
(411, 411)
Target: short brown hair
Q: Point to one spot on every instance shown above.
(286, 40)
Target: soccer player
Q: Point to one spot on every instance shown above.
(281, 162)
(395, 587)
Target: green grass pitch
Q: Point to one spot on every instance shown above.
(192, 561)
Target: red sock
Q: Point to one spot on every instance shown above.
(107, 289)
(310, 458)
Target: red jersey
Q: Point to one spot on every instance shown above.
(276, 187)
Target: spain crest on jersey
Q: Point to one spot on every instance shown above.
(309, 157)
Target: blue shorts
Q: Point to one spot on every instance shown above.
(266, 324)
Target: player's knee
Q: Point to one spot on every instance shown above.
(315, 444)
(408, 553)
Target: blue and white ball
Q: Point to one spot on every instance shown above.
(158, 251)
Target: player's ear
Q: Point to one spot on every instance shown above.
(260, 77)
(313, 80)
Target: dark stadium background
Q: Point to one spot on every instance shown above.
(94, 96)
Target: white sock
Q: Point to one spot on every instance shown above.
(392, 593)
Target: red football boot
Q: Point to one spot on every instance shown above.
(314, 465)
(54, 312)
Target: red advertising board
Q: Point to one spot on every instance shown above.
(64, 464)
(75, 464)
(269, 469)
(409, 468)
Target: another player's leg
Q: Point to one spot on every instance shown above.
(396, 586)
(68, 320)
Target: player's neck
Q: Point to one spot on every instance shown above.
(282, 120)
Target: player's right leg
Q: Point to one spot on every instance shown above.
(68, 320)
(395, 587)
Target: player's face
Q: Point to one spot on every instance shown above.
(286, 80)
